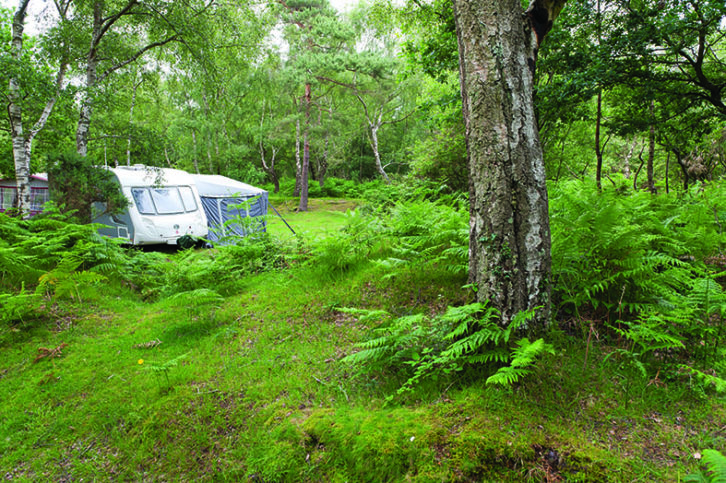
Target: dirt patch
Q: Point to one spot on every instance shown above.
(290, 205)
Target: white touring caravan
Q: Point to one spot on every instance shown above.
(164, 206)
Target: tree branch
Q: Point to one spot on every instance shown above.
(138, 54)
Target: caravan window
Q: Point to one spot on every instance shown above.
(167, 200)
(188, 198)
(38, 197)
(142, 198)
(7, 198)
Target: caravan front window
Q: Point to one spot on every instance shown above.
(164, 201)
(142, 198)
(167, 200)
(188, 198)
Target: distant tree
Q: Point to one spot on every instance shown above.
(316, 38)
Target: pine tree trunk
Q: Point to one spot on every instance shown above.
(509, 251)
(303, 206)
(323, 160)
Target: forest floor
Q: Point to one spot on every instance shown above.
(251, 387)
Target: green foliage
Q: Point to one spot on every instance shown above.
(225, 266)
(165, 367)
(420, 233)
(47, 241)
(638, 260)
(76, 184)
(438, 346)
(19, 307)
(715, 468)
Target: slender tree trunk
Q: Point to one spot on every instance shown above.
(628, 157)
(323, 160)
(84, 121)
(668, 162)
(194, 154)
(373, 126)
(376, 153)
(651, 149)
(21, 153)
(270, 168)
(131, 120)
(303, 206)
(640, 166)
(684, 169)
(509, 247)
(298, 164)
(598, 147)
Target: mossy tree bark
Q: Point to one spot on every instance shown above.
(509, 248)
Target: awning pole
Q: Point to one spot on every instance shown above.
(283, 219)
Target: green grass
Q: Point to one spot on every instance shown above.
(324, 216)
(252, 388)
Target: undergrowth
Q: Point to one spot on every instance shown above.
(233, 354)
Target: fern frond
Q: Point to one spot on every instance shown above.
(500, 355)
(718, 383)
(715, 468)
(522, 358)
(365, 316)
(715, 465)
(526, 352)
(506, 376)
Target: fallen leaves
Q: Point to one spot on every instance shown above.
(46, 353)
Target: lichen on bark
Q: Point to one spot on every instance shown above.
(509, 221)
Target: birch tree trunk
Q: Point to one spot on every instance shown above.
(195, 161)
(374, 124)
(84, 120)
(22, 143)
(298, 165)
(268, 168)
(509, 247)
(21, 153)
(374, 145)
(131, 121)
